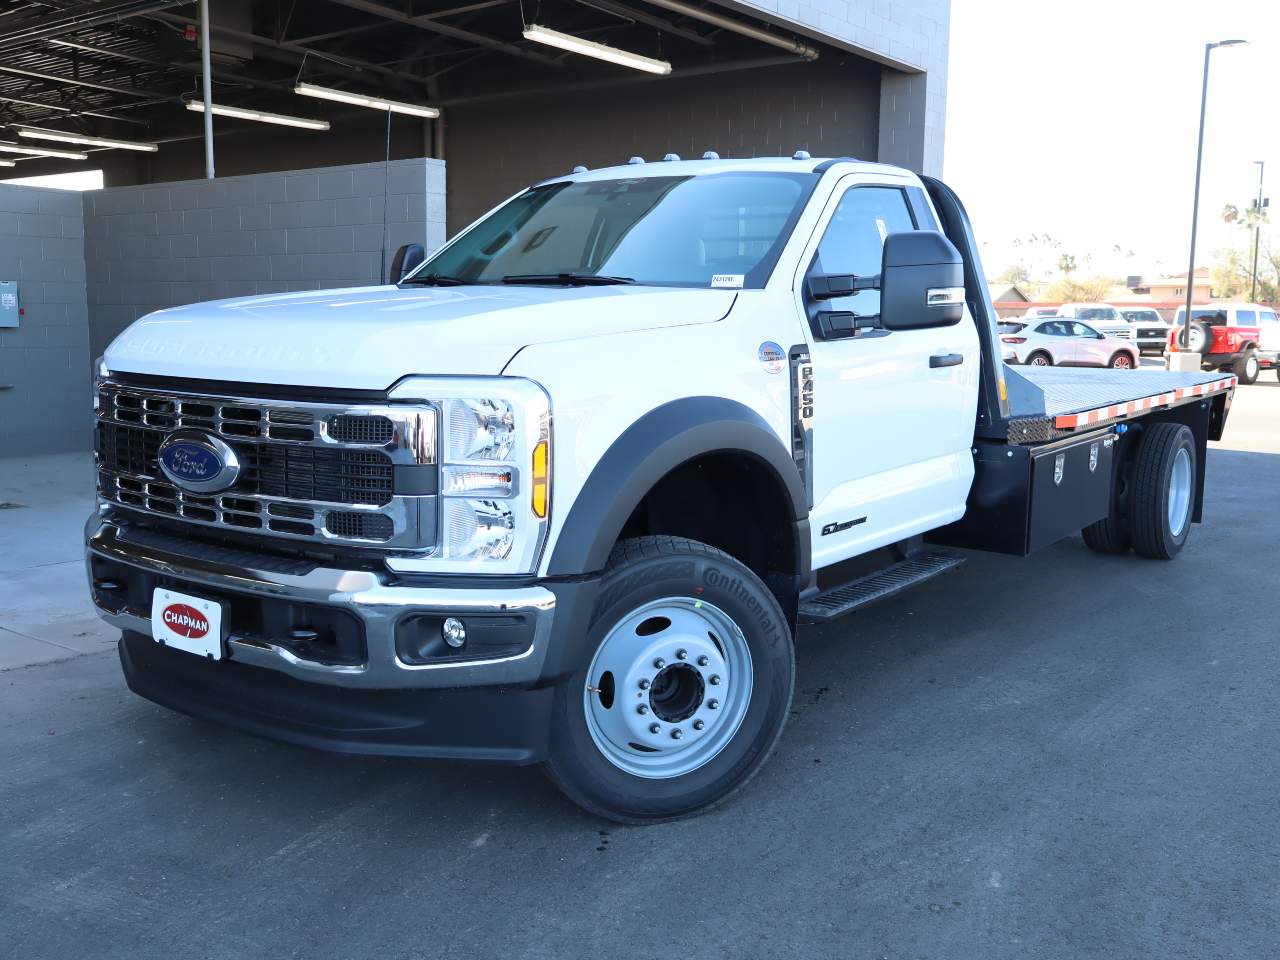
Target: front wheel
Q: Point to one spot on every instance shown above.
(687, 689)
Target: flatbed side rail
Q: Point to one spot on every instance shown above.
(1117, 411)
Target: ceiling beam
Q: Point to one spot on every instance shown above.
(334, 63)
(425, 22)
(44, 25)
(90, 84)
(649, 20)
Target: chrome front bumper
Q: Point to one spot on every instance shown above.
(372, 597)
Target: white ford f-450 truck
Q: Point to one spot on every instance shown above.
(562, 494)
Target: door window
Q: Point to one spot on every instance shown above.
(1055, 328)
(1246, 318)
(854, 241)
(1081, 330)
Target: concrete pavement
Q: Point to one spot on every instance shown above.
(1068, 756)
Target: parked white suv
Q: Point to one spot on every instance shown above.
(1101, 316)
(1149, 331)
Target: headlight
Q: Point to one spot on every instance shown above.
(100, 373)
(495, 483)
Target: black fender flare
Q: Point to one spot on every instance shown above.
(661, 440)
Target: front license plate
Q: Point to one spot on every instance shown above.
(188, 623)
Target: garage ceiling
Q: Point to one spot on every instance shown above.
(125, 69)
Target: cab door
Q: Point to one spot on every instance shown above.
(894, 411)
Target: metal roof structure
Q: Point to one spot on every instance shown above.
(125, 69)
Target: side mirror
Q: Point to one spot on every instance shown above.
(407, 259)
(921, 281)
(1100, 336)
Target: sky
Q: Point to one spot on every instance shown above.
(1079, 120)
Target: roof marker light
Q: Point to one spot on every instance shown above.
(635, 160)
(667, 158)
(801, 155)
(711, 155)
(601, 51)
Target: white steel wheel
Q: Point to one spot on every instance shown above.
(1180, 481)
(668, 688)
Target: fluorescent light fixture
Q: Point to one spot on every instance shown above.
(601, 51)
(241, 113)
(42, 151)
(62, 136)
(360, 100)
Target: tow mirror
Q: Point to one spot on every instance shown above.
(921, 281)
(407, 259)
(831, 286)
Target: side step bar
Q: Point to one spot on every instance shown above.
(917, 568)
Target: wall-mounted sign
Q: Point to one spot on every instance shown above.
(9, 305)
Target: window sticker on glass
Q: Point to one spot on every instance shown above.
(732, 280)
(883, 228)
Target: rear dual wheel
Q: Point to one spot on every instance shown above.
(1153, 508)
(686, 692)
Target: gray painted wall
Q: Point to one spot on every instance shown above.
(164, 244)
(911, 37)
(45, 361)
(830, 108)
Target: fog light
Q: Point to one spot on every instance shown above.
(454, 632)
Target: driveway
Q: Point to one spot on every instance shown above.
(1068, 756)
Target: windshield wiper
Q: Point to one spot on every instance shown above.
(438, 280)
(567, 279)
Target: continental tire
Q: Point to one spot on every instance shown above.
(687, 689)
(1162, 497)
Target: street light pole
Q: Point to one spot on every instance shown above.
(1257, 234)
(1195, 203)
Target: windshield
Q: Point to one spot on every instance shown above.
(714, 230)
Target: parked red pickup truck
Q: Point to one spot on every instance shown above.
(1226, 335)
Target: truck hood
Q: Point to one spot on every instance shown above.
(368, 337)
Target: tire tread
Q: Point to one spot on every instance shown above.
(1147, 507)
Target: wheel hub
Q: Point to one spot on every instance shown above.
(680, 673)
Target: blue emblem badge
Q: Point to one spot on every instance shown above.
(198, 462)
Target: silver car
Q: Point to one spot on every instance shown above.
(1061, 342)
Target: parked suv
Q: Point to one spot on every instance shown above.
(1058, 342)
(1225, 335)
(1101, 316)
(1149, 331)
(1269, 340)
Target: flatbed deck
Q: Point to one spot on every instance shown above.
(1055, 402)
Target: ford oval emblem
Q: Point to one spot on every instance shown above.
(198, 462)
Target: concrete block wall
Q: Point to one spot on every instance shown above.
(164, 244)
(911, 37)
(44, 363)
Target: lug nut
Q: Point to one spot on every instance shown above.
(659, 664)
(677, 733)
(642, 709)
(682, 654)
(703, 660)
(713, 704)
(714, 680)
(655, 728)
(644, 684)
(699, 724)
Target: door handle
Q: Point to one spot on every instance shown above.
(946, 360)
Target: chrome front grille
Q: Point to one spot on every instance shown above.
(298, 460)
